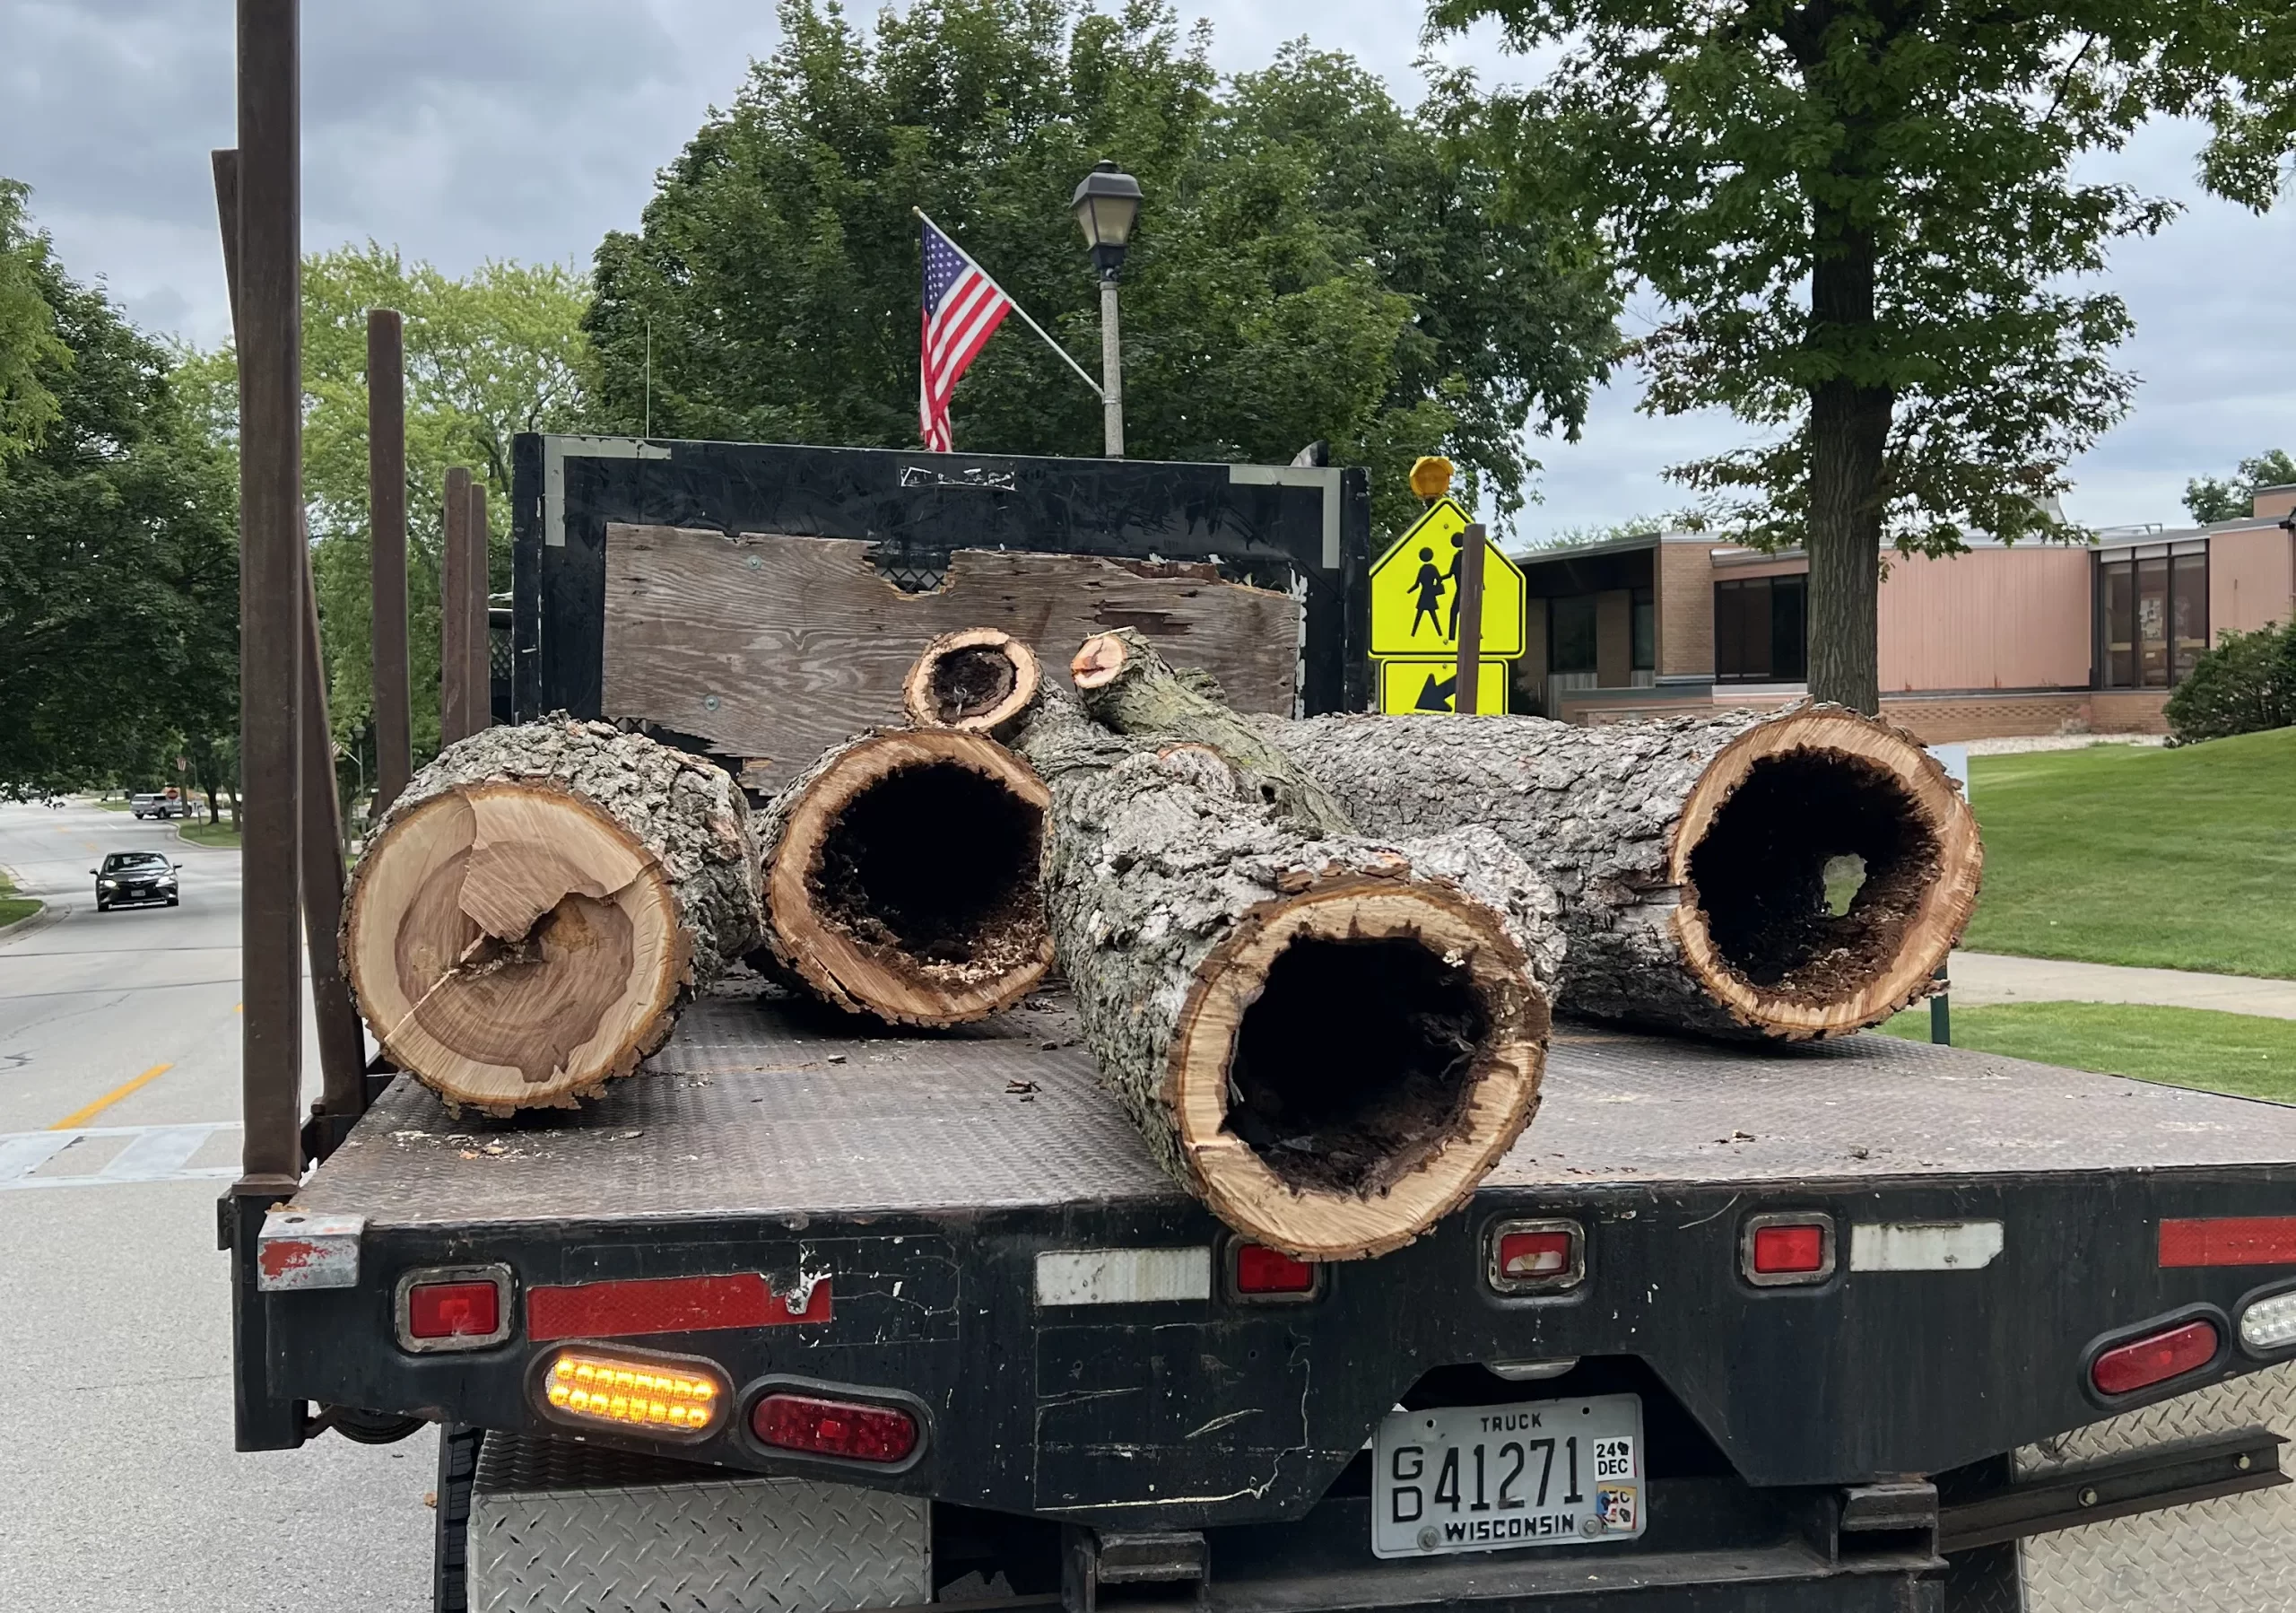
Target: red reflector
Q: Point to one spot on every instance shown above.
(834, 1428)
(453, 1310)
(1781, 1249)
(2155, 1359)
(669, 1304)
(1534, 1253)
(1260, 1270)
(2230, 1240)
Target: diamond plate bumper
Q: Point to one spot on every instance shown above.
(2233, 1555)
(557, 1527)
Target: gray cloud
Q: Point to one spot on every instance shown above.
(527, 129)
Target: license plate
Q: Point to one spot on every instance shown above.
(1488, 1477)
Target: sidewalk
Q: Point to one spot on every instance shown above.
(1981, 978)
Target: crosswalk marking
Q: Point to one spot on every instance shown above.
(150, 1154)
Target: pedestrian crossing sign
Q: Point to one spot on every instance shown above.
(1430, 683)
(1415, 590)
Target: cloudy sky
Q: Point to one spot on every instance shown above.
(526, 128)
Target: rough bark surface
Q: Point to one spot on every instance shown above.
(1127, 687)
(1627, 819)
(533, 871)
(899, 877)
(1176, 895)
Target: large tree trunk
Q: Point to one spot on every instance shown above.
(1693, 854)
(1849, 432)
(901, 877)
(533, 907)
(1330, 1040)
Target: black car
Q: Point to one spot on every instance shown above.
(133, 877)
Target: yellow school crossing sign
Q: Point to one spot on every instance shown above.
(1415, 590)
(1415, 616)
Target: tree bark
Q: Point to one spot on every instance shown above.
(1692, 854)
(534, 908)
(1127, 687)
(901, 877)
(1329, 1039)
(1849, 432)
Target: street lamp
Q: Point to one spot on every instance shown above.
(1105, 204)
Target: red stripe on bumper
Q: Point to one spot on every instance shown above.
(669, 1304)
(2230, 1240)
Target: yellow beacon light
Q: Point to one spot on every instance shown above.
(674, 1398)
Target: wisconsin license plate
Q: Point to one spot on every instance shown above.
(1486, 1477)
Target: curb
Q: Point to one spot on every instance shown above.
(197, 845)
(30, 920)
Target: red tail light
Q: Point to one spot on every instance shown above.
(2155, 1358)
(1781, 1248)
(1535, 1257)
(1260, 1270)
(453, 1310)
(848, 1428)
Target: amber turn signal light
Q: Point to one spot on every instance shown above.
(681, 1398)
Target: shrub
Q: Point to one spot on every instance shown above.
(2247, 683)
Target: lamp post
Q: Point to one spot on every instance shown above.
(1105, 204)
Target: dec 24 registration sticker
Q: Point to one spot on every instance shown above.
(1488, 1477)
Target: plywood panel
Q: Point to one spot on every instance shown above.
(771, 648)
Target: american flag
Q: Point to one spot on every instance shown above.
(964, 307)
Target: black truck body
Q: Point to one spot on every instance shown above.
(800, 1201)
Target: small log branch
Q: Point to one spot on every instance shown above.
(1330, 1040)
(1692, 853)
(1126, 685)
(536, 904)
(901, 877)
(980, 680)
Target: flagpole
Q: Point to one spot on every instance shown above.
(1017, 309)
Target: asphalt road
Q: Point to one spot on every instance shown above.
(122, 1490)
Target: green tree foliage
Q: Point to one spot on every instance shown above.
(28, 348)
(118, 561)
(2244, 686)
(1312, 263)
(2214, 499)
(490, 355)
(1866, 218)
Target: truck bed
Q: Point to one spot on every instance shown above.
(767, 1109)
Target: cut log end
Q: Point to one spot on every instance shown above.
(980, 680)
(1352, 1062)
(515, 946)
(1828, 866)
(1098, 663)
(905, 881)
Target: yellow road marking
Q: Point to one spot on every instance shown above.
(81, 1116)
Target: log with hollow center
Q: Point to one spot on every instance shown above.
(1330, 1039)
(534, 906)
(981, 680)
(1694, 854)
(901, 877)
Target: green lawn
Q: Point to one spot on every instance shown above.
(13, 907)
(210, 834)
(2179, 858)
(2242, 1053)
(113, 806)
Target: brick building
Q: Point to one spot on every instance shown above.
(2030, 639)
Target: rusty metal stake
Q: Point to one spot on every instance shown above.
(454, 609)
(386, 517)
(1465, 693)
(343, 1044)
(479, 684)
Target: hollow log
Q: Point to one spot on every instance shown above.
(901, 877)
(1126, 685)
(1330, 1040)
(981, 680)
(536, 903)
(1694, 854)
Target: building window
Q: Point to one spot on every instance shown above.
(1759, 631)
(1646, 631)
(2152, 618)
(1570, 633)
